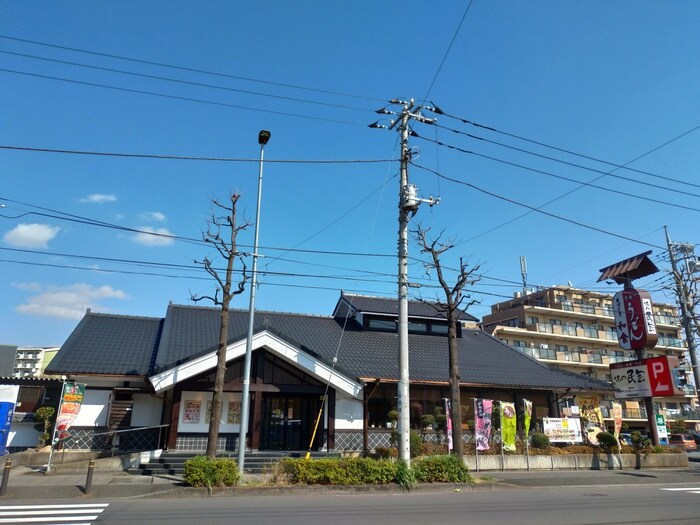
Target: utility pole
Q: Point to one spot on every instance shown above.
(408, 203)
(686, 306)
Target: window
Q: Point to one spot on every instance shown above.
(519, 344)
(562, 348)
(417, 328)
(438, 329)
(591, 331)
(531, 319)
(555, 322)
(382, 324)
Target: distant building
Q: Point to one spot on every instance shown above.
(30, 361)
(574, 330)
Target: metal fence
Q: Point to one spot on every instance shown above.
(99, 439)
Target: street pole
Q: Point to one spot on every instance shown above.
(403, 393)
(687, 317)
(263, 138)
(408, 203)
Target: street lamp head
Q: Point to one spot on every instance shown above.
(263, 137)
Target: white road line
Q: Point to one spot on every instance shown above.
(77, 514)
(688, 489)
(76, 506)
(49, 519)
(32, 512)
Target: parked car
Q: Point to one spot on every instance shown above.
(685, 441)
(695, 436)
(626, 439)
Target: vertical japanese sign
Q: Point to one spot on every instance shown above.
(592, 416)
(661, 426)
(634, 320)
(508, 426)
(527, 406)
(71, 400)
(448, 424)
(482, 416)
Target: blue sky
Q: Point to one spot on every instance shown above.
(610, 81)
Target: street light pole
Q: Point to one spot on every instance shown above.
(263, 138)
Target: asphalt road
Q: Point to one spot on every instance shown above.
(647, 504)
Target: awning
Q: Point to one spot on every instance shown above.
(629, 269)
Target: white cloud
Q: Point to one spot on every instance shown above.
(31, 235)
(154, 216)
(153, 236)
(99, 198)
(66, 302)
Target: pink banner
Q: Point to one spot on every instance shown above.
(482, 417)
(448, 424)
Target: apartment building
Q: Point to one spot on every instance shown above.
(30, 361)
(574, 330)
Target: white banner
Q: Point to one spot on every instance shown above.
(563, 430)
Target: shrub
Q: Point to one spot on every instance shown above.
(385, 452)
(607, 442)
(440, 469)
(415, 443)
(44, 416)
(200, 471)
(639, 442)
(405, 475)
(539, 440)
(349, 471)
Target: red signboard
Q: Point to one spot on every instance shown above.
(634, 320)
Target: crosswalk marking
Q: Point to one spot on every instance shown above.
(78, 514)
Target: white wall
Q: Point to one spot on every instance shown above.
(93, 411)
(193, 408)
(9, 393)
(146, 411)
(23, 435)
(348, 413)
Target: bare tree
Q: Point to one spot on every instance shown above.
(222, 232)
(456, 301)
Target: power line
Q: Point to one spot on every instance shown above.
(561, 177)
(589, 157)
(189, 69)
(449, 47)
(184, 82)
(189, 158)
(552, 215)
(573, 164)
(176, 97)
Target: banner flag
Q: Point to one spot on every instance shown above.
(482, 416)
(508, 426)
(71, 400)
(528, 416)
(448, 424)
(617, 417)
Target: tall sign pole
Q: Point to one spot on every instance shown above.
(263, 138)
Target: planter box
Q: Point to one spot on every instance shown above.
(576, 462)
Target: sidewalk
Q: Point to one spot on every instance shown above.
(27, 484)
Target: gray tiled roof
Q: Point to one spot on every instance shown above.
(126, 345)
(390, 306)
(109, 344)
(483, 360)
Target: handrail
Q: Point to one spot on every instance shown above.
(128, 430)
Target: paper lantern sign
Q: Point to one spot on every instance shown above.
(634, 320)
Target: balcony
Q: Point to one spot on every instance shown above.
(670, 341)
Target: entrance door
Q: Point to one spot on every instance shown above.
(288, 422)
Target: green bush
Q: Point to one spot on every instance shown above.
(415, 443)
(45, 420)
(349, 471)
(441, 469)
(201, 471)
(539, 440)
(405, 475)
(607, 442)
(639, 442)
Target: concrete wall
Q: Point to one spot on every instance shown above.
(576, 461)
